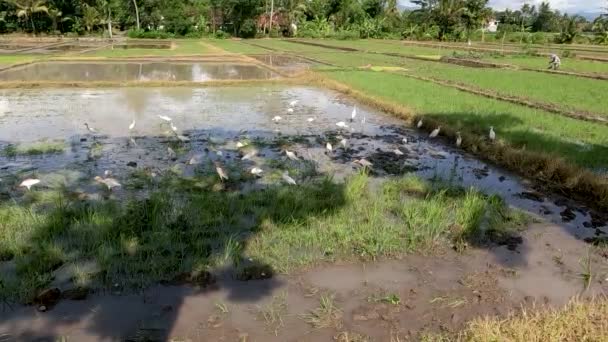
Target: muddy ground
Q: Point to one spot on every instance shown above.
(380, 301)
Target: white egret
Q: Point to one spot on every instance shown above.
(353, 115)
(183, 138)
(249, 155)
(173, 128)
(240, 144)
(364, 162)
(219, 153)
(172, 154)
(291, 155)
(110, 183)
(293, 103)
(342, 124)
(458, 139)
(277, 118)
(364, 120)
(344, 143)
(89, 128)
(256, 171)
(419, 123)
(107, 173)
(288, 179)
(196, 159)
(29, 183)
(220, 172)
(328, 147)
(290, 110)
(310, 119)
(165, 118)
(435, 132)
(398, 152)
(492, 133)
(404, 141)
(132, 125)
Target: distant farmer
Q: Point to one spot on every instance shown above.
(554, 62)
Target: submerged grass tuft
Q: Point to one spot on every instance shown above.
(37, 148)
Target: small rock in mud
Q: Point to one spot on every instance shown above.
(48, 297)
(567, 215)
(132, 164)
(545, 211)
(79, 293)
(366, 316)
(502, 178)
(531, 195)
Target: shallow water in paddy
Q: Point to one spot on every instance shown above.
(214, 119)
(144, 71)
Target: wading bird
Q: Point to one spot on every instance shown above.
(310, 119)
(290, 110)
(107, 173)
(288, 179)
(249, 155)
(404, 141)
(220, 172)
(110, 183)
(89, 128)
(435, 132)
(342, 124)
(291, 155)
(492, 134)
(364, 162)
(29, 183)
(419, 123)
(277, 118)
(293, 103)
(256, 171)
(240, 144)
(183, 138)
(165, 118)
(364, 120)
(344, 143)
(398, 152)
(328, 147)
(458, 139)
(173, 128)
(195, 160)
(132, 125)
(353, 115)
(172, 154)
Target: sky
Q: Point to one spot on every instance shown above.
(570, 6)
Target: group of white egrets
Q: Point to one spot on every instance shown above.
(111, 183)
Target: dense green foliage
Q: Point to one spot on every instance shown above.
(344, 19)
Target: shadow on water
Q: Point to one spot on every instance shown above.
(191, 232)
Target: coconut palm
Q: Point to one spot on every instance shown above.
(27, 8)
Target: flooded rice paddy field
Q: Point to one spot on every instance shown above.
(215, 120)
(439, 292)
(142, 71)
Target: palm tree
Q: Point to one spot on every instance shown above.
(136, 13)
(27, 9)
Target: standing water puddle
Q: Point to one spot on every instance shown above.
(214, 119)
(145, 71)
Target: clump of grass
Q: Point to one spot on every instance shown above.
(577, 321)
(586, 272)
(327, 315)
(273, 312)
(138, 241)
(37, 148)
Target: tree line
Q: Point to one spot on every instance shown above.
(448, 20)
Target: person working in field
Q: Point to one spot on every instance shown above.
(554, 62)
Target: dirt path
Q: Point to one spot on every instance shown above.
(379, 301)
